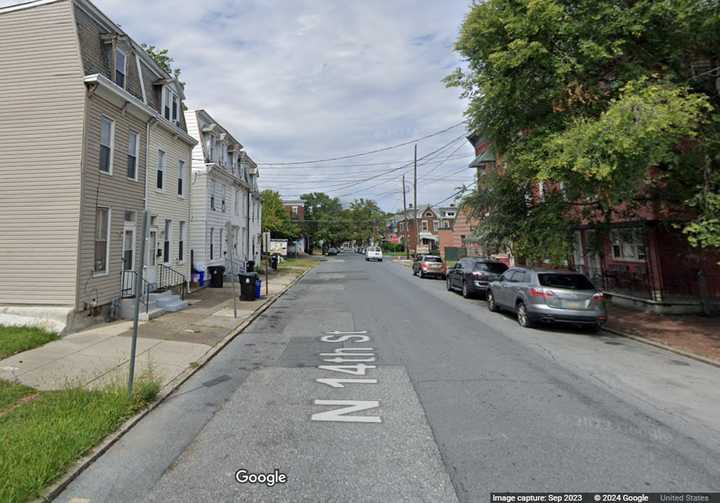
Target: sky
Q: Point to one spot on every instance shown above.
(298, 80)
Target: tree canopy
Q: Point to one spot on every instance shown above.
(275, 218)
(609, 101)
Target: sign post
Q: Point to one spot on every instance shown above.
(138, 292)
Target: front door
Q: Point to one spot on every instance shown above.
(151, 257)
(128, 259)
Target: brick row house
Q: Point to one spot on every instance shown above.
(224, 228)
(95, 126)
(644, 262)
(295, 208)
(423, 232)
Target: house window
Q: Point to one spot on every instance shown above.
(628, 244)
(159, 181)
(237, 202)
(133, 151)
(166, 243)
(129, 216)
(181, 242)
(170, 105)
(220, 244)
(424, 226)
(211, 148)
(181, 178)
(295, 211)
(436, 224)
(107, 141)
(102, 239)
(212, 244)
(120, 68)
(541, 191)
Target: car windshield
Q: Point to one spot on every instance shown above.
(492, 267)
(568, 281)
(432, 259)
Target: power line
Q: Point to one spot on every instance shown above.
(351, 165)
(350, 156)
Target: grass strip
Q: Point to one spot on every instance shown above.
(42, 438)
(11, 392)
(16, 339)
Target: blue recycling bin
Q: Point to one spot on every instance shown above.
(201, 278)
(258, 288)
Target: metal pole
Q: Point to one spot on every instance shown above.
(138, 289)
(267, 274)
(417, 231)
(405, 218)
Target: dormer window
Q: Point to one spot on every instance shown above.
(120, 67)
(171, 105)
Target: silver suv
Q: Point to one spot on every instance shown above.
(539, 295)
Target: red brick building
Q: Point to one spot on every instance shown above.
(295, 209)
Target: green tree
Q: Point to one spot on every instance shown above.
(366, 221)
(275, 218)
(163, 59)
(597, 95)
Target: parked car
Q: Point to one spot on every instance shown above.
(539, 295)
(332, 251)
(473, 275)
(374, 253)
(429, 265)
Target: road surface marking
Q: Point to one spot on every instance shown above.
(334, 382)
(347, 406)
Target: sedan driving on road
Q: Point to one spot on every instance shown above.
(538, 295)
(429, 265)
(472, 275)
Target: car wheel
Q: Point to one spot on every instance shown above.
(522, 316)
(465, 290)
(422, 274)
(492, 306)
(447, 283)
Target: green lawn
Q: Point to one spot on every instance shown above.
(16, 339)
(42, 437)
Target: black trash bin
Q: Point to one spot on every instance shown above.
(250, 266)
(247, 285)
(216, 276)
(274, 262)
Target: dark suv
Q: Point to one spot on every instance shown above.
(472, 275)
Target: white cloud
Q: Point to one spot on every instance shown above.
(307, 79)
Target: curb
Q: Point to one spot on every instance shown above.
(80, 466)
(660, 345)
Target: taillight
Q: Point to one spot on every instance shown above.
(540, 292)
(598, 298)
(423, 265)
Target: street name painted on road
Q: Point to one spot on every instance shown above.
(356, 358)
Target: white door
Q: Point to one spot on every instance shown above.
(128, 259)
(151, 258)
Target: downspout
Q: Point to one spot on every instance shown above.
(247, 228)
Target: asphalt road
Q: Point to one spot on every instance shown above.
(422, 396)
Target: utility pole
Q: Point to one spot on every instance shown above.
(417, 232)
(405, 218)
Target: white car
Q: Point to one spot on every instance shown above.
(373, 253)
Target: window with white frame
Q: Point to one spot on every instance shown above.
(181, 242)
(181, 178)
(160, 176)
(171, 104)
(133, 152)
(237, 202)
(107, 141)
(212, 243)
(102, 239)
(628, 244)
(120, 67)
(212, 196)
(220, 243)
(436, 224)
(222, 200)
(424, 226)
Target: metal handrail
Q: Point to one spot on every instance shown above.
(169, 277)
(129, 277)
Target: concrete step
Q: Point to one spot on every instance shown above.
(164, 299)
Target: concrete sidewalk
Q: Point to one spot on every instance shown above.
(167, 345)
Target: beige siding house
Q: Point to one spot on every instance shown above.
(70, 250)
